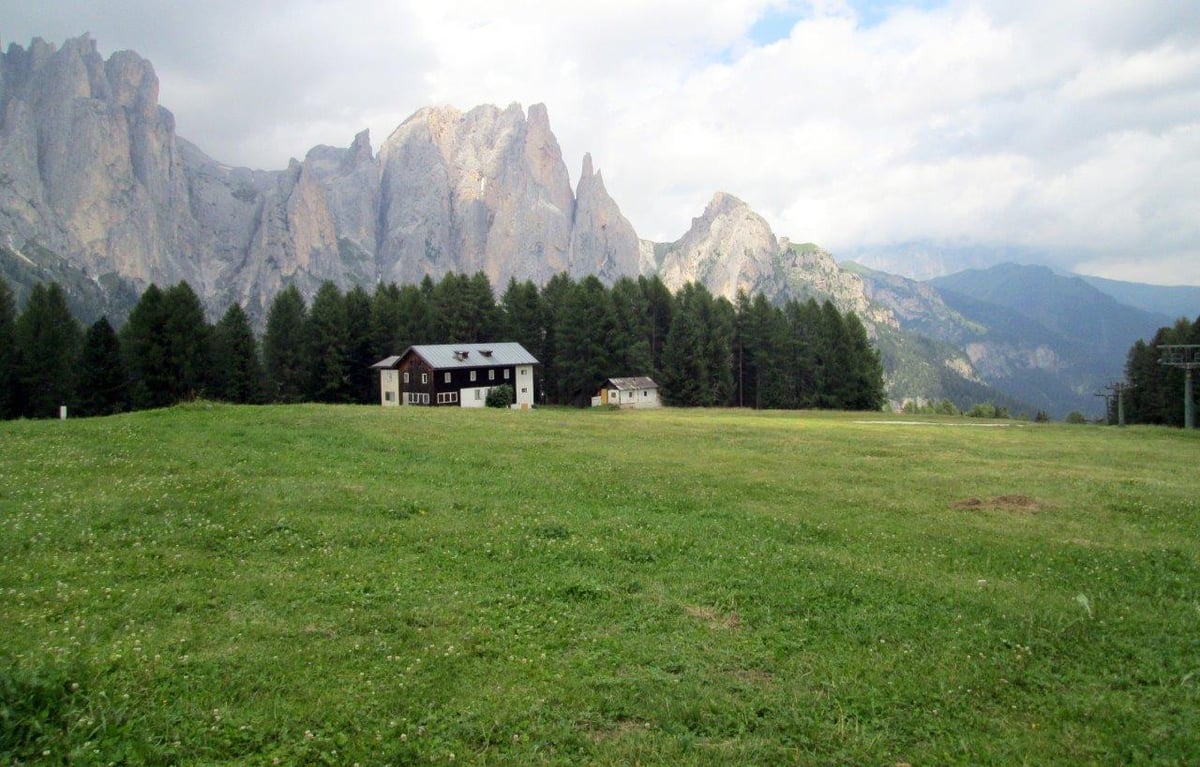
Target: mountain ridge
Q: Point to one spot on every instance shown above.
(485, 190)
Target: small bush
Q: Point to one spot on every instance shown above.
(500, 396)
(1076, 417)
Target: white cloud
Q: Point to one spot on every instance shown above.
(1067, 127)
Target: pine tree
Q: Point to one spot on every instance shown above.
(835, 359)
(553, 300)
(520, 316)
(758, 352)
(416, 311)
(364, 382)
(630, 347)
(327, 344)
(386, 319)
(284, 347)
(659, 304)
(865, 388)
(145, 347)
(103, 384)
(801, 369)
(686, 375)
(237, 372)
(10, 398)
(189, 342)
(47, 339)
(722, 321)
(585, 327)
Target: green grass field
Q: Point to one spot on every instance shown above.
(304, 585)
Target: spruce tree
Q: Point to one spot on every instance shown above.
(520, 316)
(416, 312)
(364, 382)
(631, 342)
(237, 372)
(145, 347)
(865, 390)
(47, 340)
(189, 342)
(386, 322)
(284, 347)
(103, 384)
(585, 327)
(554, 297)
(327, 344)
(686, 376)
(10, 399)
(659, 303)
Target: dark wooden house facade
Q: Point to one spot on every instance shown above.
(457, 375)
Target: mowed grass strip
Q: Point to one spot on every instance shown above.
(216, 584)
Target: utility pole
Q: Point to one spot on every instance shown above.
(1186, 356)
(1107, 395)
(1114, 391)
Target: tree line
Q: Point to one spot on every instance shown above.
(1154, 392)
(702, 350)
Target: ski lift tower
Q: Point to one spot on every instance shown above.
(1186, 356)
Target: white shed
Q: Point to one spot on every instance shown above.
(639, 391)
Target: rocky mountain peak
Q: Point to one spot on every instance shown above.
(603, 241)
(729, 248)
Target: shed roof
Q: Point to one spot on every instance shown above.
(477, 355)
(637, 382)
(387, 362)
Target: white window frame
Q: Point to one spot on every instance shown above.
(472, 375)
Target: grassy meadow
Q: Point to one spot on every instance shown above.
(212, 584)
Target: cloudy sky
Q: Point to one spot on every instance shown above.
(1064, 131)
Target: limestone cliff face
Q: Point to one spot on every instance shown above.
(482, 191)
(603, 242)
(89, 166)
(91, 169)
(728, 248)
(731, 248)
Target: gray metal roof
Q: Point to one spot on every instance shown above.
(638, 382)
(387, 363)
(451, 356)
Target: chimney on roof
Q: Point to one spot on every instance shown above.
(486, 352)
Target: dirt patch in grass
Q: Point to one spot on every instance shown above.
(714, 618)
(1016, 503)
(619, 729)
(753, 676)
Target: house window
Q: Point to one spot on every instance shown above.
(389, 396)
(424, 378)
(447, 397)
(479, 394)
(418, 398)
(447, 376)
(491, 375)
(506, 372)
(472, 375)
(405, 376)
(524, 371)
